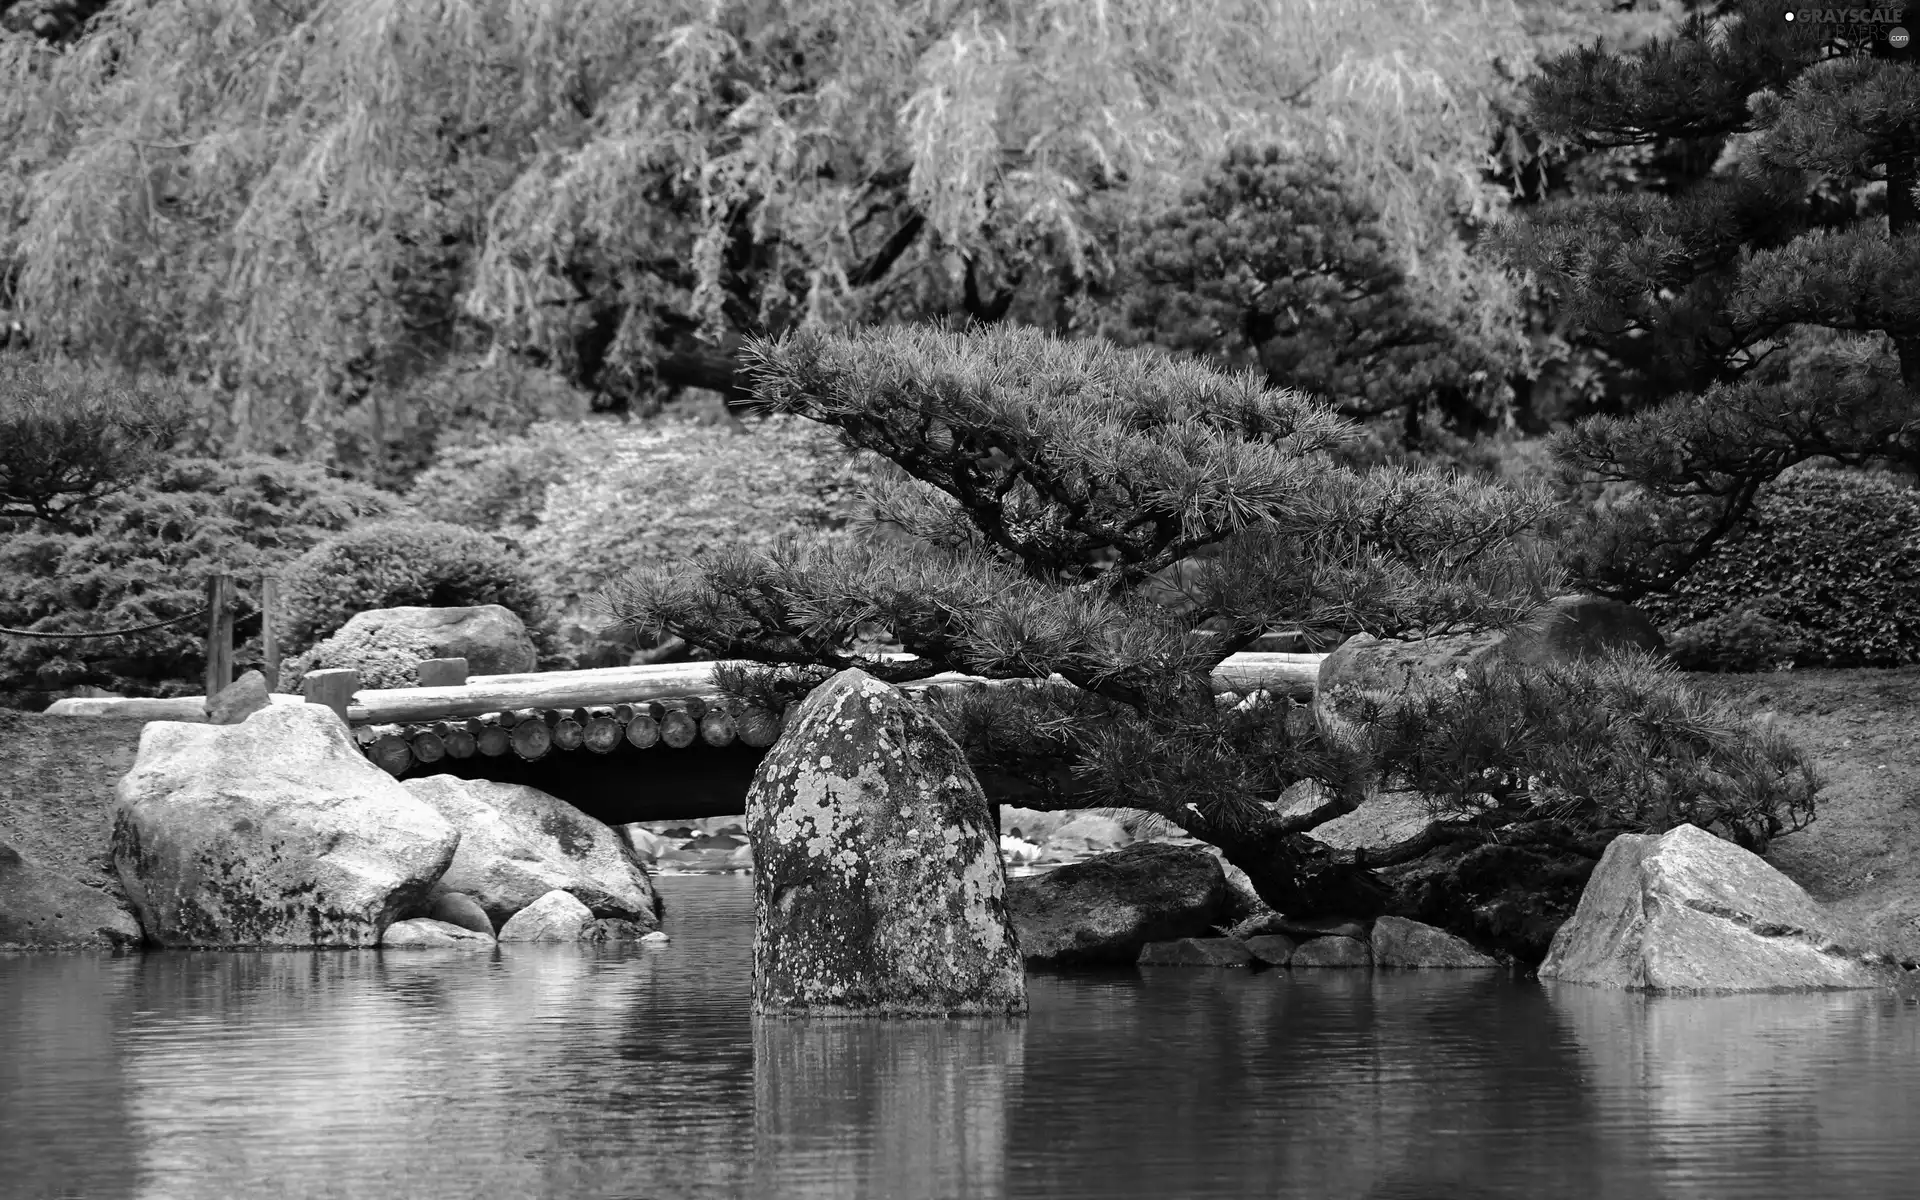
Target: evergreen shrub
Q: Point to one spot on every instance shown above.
(143, 555)
(409, 562)
(1618, 744)
(1834, 555)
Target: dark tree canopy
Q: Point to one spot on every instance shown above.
(1784, 288)
(1275, 260)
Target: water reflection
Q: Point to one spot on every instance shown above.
(638, 1074)
(1713, 1091)
(896, 1109)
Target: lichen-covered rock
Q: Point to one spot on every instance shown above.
(458, 908)
(1196, 952)
(427, 932)
(1103, 910)
(273, 832)
(490, 637)
(239, 700)
(517, 843)
(1332, 952)
(554, 917)
(1686, 911)
(1398, 942)
(878, 887)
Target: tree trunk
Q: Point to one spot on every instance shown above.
(1902, 220)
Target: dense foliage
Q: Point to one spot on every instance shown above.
(1044, 484)
(1613, 745)
(1825, 573)
(1277, 262)
(407, 562)
(143, 555)
(1777, 287)
(310, 206)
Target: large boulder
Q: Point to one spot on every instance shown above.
(1385, 828)
(273, 832)
(517, 844)
(57, 882)
(878, 887)
(1103, 910)
(1564, 629)
(41, 909)
(491, 638)
(1686, 911)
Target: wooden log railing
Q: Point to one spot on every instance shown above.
(591, 712)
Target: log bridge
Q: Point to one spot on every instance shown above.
(620, 743)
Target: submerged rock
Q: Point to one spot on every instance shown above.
(1103, 910)
(1196, 952)
(1686, 911)
(517, 843)
(1398, 942)
(554, 917)
(878, 888)
(425, 931)
(273, 832)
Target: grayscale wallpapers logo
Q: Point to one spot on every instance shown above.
(1857, 26)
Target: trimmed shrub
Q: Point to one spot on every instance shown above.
(386, 657)
(503, 486)
(1744, 640)
(143, 555)
(1836, 554)
(409, 562)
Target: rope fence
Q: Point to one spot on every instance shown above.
(221, 616)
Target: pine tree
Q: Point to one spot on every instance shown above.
(1042, 490)
(1783, 289)
(1043, 486)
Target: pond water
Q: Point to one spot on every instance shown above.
(635, 1073)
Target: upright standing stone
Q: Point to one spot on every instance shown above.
(878, 888)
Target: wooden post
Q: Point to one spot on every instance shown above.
(443, 672)
(269, 638)
(219, 633)
(333, 688)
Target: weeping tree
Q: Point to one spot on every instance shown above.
(1043, 486)
(306, 204)
(1778, 291)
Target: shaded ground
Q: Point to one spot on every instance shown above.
(1861, 856)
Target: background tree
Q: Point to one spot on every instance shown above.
(1276, 261)
(304, 206)
(1780, 289)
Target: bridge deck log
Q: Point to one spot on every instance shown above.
(568, 690)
